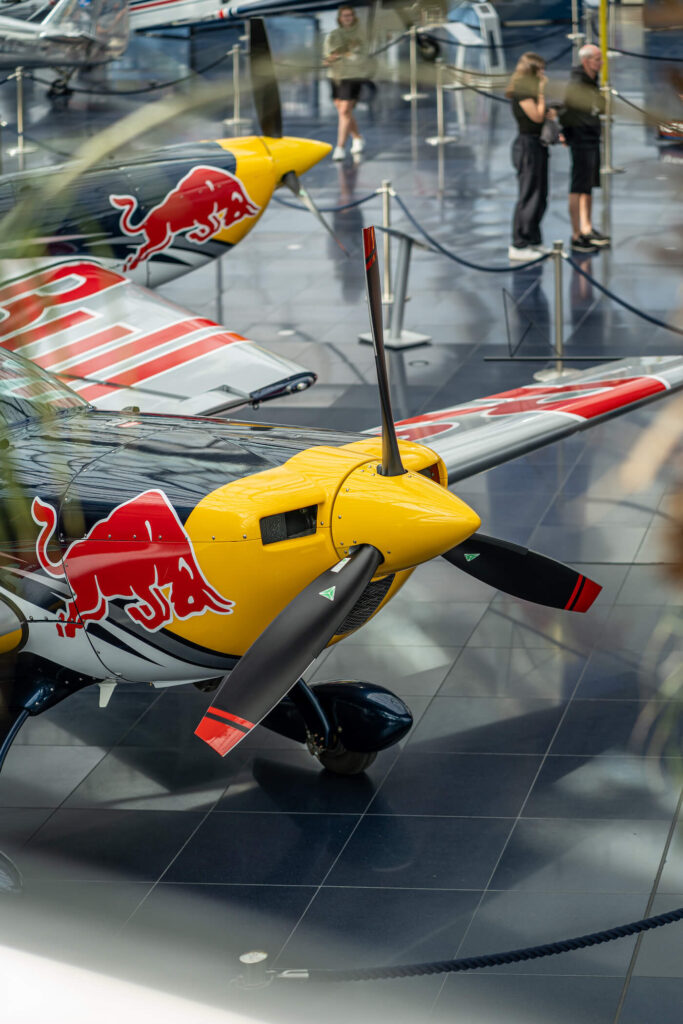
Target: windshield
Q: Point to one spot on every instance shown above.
(27, 392)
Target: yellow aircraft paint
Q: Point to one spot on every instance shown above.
(409, 518)
(261, 163)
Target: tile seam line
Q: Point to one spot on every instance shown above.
(61, 806)
(513, 828)
(365, 812)
(653, 893)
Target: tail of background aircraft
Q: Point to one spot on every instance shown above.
(104, 21)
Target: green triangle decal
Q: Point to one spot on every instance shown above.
(329, 593)
(470, 558)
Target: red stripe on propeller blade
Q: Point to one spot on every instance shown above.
(219, 735)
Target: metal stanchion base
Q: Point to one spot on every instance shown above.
(408, 339)
(441, 140)
(28, 147)
(542, 376)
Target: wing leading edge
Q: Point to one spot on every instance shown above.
(118, 344)
(489, 431)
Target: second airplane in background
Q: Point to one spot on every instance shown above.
(71, 267)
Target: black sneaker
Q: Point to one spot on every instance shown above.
(584, 243)
(597, 238)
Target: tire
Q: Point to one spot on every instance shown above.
(429, 48)
(341, 761)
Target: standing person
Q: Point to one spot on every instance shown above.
(580, 119)
(526, 90)
(346, 55)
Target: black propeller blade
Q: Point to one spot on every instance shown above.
(391, 458)
(523, 573)
(269, 111)
(279, 656)
(263, 81)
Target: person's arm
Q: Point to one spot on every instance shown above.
(535, 108)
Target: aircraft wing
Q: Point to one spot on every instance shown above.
(119, 345)
(489, 431)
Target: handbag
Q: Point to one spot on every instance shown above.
(550, 132)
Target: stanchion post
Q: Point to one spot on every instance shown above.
(440, 138)
(254, 970)
(219, 289)
(236, 118)
(387, 297)
(559, 370)
(21, 148)
(576, 35)
(607, 122)
(413, 94)
(559, 306)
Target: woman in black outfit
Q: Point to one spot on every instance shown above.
(529, 155)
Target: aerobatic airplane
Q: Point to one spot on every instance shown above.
(71, 267)
(73, 34)
(174, 550)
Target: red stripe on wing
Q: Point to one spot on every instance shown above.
(141, 373)
(59, 323)
(77, 348)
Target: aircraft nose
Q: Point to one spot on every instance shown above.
(298, 155)
(409, 518)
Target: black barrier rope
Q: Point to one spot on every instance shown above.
(641, 110)
(459, 259)
(473, 963)
(147, 88)
(327, 209)
(475, 88)
(531, 41)
(646, 56)
(325, 67)
(623, 302)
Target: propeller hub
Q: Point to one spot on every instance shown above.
(409, 518)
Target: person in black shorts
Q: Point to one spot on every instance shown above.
(526, 91)
(580, 121)
(346, 56)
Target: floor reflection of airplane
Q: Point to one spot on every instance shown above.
(70, 269)
(171, 550)
(75, 33)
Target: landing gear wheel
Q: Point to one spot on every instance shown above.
(341, 761)
(429, 48)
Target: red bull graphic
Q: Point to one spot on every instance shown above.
(139, 553)
(204, 202)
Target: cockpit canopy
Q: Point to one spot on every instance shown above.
(29, 393)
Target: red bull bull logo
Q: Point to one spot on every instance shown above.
(203, 202)
(139, 554)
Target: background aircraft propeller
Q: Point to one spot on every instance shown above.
(269, 111)
(285, 649)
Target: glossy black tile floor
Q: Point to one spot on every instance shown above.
(538, 794)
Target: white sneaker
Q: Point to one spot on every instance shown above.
(338, 153)
(524, 255)
(358, 145)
